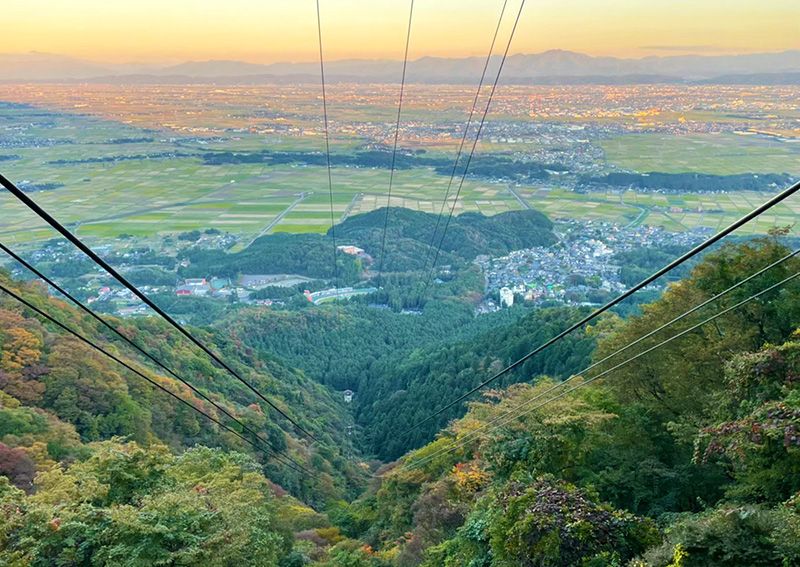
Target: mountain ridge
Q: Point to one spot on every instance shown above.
(550, 66)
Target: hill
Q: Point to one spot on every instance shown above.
(552, 67)
(345, 347)
(409, 234)
(687, 456)
(407, 242)
(401, 390)
(59, 395)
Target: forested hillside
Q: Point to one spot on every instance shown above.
(407, 244)
(409, 235)
(345, 347)
(689, 456)
(405, 390)
(306, 254)
(59, 394)
(397, 364)
(125, 504)
(686, 456)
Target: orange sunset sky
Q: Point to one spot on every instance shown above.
(264, 31)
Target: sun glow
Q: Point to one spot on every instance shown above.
(284, 30)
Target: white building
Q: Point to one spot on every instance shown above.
(506, 297)
(349, 249)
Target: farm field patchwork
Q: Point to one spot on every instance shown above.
(148, 199)
(137, 168)
(721, 154)
(677, 212)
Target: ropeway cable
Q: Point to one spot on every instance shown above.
(472, 150)
(44, 215)
(130, 342)
(464, 138)
(118, 360)
(335, 270)
(520, 410)
(394, 150)
(780, 197)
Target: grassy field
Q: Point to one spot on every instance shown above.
(155, 197)
(151, 197)
(677, 212)
(720, 154)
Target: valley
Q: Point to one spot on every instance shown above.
(384, 350)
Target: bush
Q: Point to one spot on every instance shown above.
(732, 537)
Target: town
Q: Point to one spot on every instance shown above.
(581, 269)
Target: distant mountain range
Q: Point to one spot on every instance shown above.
(549, 67)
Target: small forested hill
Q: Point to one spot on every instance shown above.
(282, 253)
(407, 244)
(689, 456)
(59, 394)
(409, 234)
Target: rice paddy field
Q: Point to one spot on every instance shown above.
(675, 212)
(719, 153)
(156, 185)
(127, 166)
(148, 197)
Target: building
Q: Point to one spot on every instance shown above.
(506, 297)
(260, 281)
(352, 250)
(194, 286)
(348, 396)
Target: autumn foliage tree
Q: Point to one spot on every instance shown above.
(17, 466)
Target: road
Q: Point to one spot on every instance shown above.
(350, 206)
(279, 218)
(644, 212)
(522, 201)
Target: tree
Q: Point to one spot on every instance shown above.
(758, 438)
(129, 505)
(730, 537)
(82, 389)
(17, 467)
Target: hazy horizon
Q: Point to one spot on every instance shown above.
(171, 62)
(151, 33)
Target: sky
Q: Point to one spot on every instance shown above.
(266, 31)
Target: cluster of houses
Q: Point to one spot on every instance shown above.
(583, 261)
(202, 287)
(241, 287)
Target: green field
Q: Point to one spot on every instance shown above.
(155, 197)
(168, 189)
(150, 197)
(720, 154)
(677, 212)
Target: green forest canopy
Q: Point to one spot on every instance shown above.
(689, 456)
